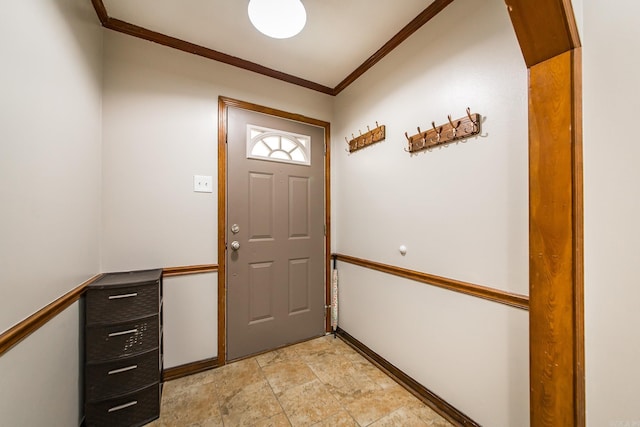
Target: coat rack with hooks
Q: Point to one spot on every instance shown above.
(453, 130)
(371, 137)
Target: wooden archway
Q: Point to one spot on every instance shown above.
(549, 40)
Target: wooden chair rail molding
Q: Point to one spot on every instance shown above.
(189, 269)
(32, 323)
(491, 294)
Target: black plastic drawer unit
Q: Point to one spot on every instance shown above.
(123, 349)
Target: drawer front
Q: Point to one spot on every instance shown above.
(122, 340)
(122, 304)
(135, 409)
(109, 379)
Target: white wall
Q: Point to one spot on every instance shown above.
(612, 209)
(41, 377)
(462, 211)
(50, 124)
(160, 129)
(50, 159)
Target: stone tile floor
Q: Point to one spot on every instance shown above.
(322, 382)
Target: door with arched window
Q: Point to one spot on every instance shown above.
(275, 232)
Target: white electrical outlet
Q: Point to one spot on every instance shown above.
(202, 184)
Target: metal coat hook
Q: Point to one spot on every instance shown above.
(469, 114)
(423, 138)
(410, 143)
(454, 128)
(433, 124)
(474, 123)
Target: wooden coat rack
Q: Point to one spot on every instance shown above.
(453, 130)
(371, 137)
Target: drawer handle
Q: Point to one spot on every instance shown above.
(121, 370)
(120, 407)
(130, 331)
(134, 294)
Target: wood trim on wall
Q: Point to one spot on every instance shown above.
(22, 330)
(188, 47)
(425, 16)
(555, 246)
(143, 33)
(189, 369)
(101, 11)
(189, 269)
(429, 398)
(578, 243)
(548, 37)
(327, 226)
(544, 28)
(223, 104)
(478, 291)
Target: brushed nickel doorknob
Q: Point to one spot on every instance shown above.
(235, 245)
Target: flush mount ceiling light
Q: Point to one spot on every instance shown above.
(279, 19)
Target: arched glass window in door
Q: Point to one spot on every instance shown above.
(278, 145)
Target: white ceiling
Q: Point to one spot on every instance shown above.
(339, 36)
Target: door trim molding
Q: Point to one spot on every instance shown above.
(223, 105)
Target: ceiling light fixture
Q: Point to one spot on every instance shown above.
(279, 19)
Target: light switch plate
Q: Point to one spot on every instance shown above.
(202, 184)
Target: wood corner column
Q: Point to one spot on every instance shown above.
(556, 242)
(547, 32)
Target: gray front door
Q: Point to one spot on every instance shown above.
(275, 232)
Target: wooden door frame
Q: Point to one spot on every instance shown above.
(223, 105)
(548, 36)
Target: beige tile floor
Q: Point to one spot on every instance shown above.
(322, 382)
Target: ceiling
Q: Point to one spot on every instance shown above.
(341, 40)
